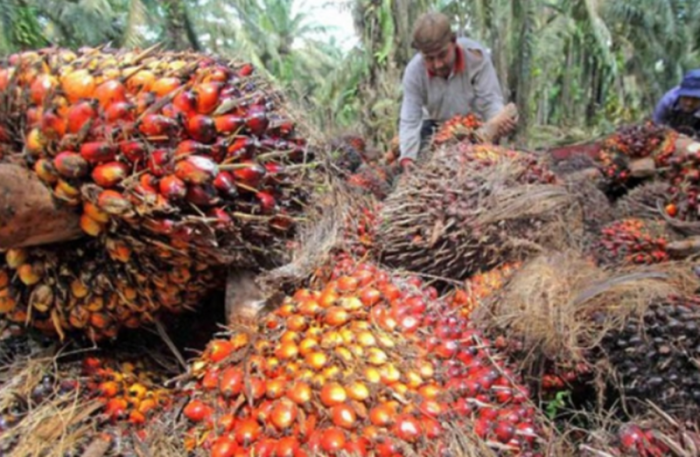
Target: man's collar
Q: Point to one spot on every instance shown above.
(459, 66)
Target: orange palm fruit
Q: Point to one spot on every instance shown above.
(78, 84)
(71, 165)
(90, 225)
(110, 174)
(113, 202)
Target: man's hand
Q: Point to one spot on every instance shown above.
(507, 126)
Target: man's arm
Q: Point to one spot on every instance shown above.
(663, 108)
(489, 97)
(411, 114)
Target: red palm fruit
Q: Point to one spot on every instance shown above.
(46, 171)
(223, 220)
(120, 111)
(33, 120)
(186, 102)
(148, 182)
(78, 84)
(333, 440)
(231, 381)
(112, 202)
(196, 169)
(207, 96)
(202, 195)
(79, 114)
(407, 428)
(218, 350)
(241, 148)
(256, 120)
(143, 101)
(160, 163)
(201, 128)
(110, 174)
(197, 411)
(172, 111)
(249, 173)
(41, 86)
(109, 92)
(218, 73)
(228, 123)
(164, 86)
(281, 222)
(189, 147)
(225, 185)
(53, 125)
(267, 202)
(98, 151)
(133, 151)
(71, 165)
(157, 124)
(246, 70)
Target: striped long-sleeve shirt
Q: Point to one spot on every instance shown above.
(472, 87)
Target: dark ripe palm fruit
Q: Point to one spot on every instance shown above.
(652, 355)
(342, 366)
(449, 218)
(633, 242)
(108, 117)
(635, 142)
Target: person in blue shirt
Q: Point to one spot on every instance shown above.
(679, 108)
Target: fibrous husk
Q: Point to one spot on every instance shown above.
(643, 202)
(560, 305)
(471, 208)
(595, 206)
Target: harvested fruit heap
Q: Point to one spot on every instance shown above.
(636, 142)
(469, 208)
(458, 129)
(366, 363)
(110, 398)
(654, 356)
(683, 196)
(191, 149)
(98, 289)
(633, 242)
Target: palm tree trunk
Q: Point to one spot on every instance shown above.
(179, 33)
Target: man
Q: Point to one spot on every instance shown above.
(680, 107)
(447, 77)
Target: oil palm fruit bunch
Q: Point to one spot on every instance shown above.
(654, 355)
(633, 242)
(462, 211)
(459, 128)
(646, 201)
(371, 179)
(95, 289)
(636, 142)
(192, 149)
(130, 389)
(362, 363)
(683, 176)
(644, 438)
(480, 287)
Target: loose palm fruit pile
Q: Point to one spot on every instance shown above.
(366, 364)
(633, 242)
(130, 389)
(98, 289)
(636, 142)
(191, 149)
(457, 213)
(655, 357)
(459, 128)
(480, 287)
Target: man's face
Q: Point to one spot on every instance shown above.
(440, 61)
(689, 104)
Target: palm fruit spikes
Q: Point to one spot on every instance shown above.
(364, 363)
(190, 149)
(633, 242)
(448, 218)
(86, 288)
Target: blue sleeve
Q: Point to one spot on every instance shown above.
(664, 107)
